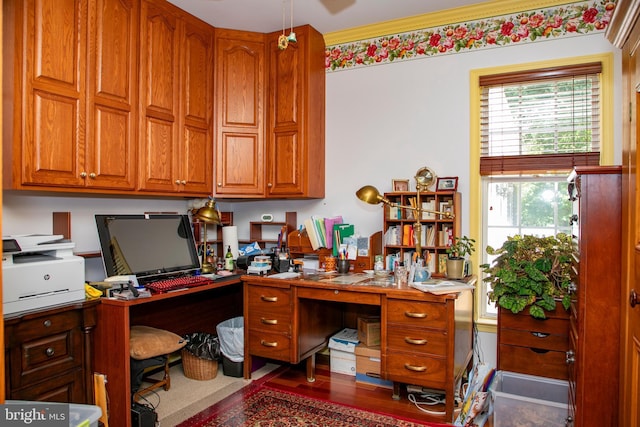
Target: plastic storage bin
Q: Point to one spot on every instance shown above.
(84, 415)
(540, 401)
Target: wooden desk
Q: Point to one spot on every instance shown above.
(197, 309)
(426, 339)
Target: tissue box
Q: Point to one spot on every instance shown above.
(369, 331)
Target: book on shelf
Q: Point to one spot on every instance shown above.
(328, 226)
(429, 205)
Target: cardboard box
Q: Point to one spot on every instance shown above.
(368, 366)
(342, 358)
(369, 331)
(345, 340)
(542, 401)
(342, 362)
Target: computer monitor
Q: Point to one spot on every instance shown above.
(151, 246)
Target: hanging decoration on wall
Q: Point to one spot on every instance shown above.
(284, 40)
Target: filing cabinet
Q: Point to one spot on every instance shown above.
(48, 353)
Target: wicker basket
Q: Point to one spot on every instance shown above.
(197, 368)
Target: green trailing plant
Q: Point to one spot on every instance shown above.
(532, 272)
(461, 247)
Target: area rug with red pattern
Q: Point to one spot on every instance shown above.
(262, 406)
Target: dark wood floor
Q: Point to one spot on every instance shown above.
(343, 389)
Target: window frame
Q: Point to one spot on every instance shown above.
(477, 189)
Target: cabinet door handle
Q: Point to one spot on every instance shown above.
(570, 357)
(49, 351)
(269, 321)
(415, 315)
(415, 368)
(268, 299)
(633, 298)
(92, 175)
(83, 174)
(268, 344)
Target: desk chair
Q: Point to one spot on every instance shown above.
(150, 349)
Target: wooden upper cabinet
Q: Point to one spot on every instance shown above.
(78, 128)
(175, 96)
(46, 145)
(296, 125)
(112, 94)
(240, 109)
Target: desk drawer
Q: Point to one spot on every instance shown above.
(340, 296)
(269, 320)
(267, 298)
(271, 346)
(417, 313)
(539, 340)
(416, 340)
(530, 361)
(416, 369)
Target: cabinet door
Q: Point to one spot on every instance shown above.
(112, 80)
(196, 166)
(159, 94)
(295, 151)
(52, 142)
(240, 109)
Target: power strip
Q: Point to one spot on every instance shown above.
(423, 390)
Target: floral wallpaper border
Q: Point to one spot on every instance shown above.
(530, 26)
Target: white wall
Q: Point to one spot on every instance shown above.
(383, 122)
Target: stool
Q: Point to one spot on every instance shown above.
(149, 350)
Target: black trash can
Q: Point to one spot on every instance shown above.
(231, 337)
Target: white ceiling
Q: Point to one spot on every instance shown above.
(324, 15)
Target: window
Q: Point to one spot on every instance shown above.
(532, 127)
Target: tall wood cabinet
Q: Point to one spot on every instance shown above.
(295, 145)
(240, 110)
(270, 113)
(438, 231)
(176, 90)
(68, 123)
(595, 310)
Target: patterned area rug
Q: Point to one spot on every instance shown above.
(263, 406)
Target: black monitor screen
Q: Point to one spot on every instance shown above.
(149, 246)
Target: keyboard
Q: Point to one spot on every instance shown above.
(180, 282)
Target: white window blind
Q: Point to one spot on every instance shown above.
(542, 120)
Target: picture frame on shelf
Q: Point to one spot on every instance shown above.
(449, 183)
(445, 207)
(400, 185)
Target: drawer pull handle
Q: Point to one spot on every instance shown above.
(415, 341)
(268, 299)
(49, 352)
(269, 321)
(415, 368)
(268, 344)
(47, 323)
(539, 334)
(415, 315)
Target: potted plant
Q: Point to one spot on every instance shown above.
(532, 272)
(456, 256)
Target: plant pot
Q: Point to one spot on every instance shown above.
(455, 268)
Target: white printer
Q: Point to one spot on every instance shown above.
(40, 270)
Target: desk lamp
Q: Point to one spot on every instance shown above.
(208, 214)
(424, 179)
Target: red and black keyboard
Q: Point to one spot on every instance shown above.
(173, 283)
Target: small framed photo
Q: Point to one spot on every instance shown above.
(447, 184)
(400, 184)
(447, 208)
